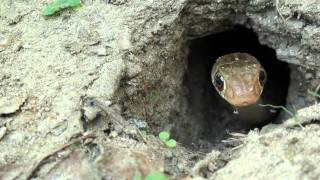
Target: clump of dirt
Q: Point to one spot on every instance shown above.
(80, 88)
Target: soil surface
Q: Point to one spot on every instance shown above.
(84, 93)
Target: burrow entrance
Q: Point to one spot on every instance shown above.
(209, 117)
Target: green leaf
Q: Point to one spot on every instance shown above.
(155, 175)
(74, 3)
(50, 10)
(164, 135)
(171, 143)
(137, 178)
(143, 133)
(313, 93)
(57, 5)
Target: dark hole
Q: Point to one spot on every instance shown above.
(107, 131)
(209, 116)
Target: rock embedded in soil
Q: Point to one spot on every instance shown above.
(9, 105)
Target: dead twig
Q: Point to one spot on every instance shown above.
(237, 147)
(142, 136)
(37, 165)
(236, 134)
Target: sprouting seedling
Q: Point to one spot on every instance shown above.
(293, 114)
(165, 137)
(313, 93)
(58, 5)
(153, 175)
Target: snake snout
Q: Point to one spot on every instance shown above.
(240, 94)
(248, 101)
(245, 99)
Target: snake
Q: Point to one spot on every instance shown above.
(239, 78)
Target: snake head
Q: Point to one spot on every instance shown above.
(239, 78)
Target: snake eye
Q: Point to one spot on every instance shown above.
(262, 77)
(218, 82)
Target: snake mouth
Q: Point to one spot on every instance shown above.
(244, 101)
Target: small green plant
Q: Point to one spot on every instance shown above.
(143, 132)
(293, 114)
(153, 175)
(58, 5)
(313, 93)
(165, 137)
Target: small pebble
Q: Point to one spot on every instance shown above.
(308, 76)
(4, 41)
(101, 51)
(113, 134)
(107, 103)
(10, 105)
(211, 167)
(88, 141)
(33, 102)
(91, 113)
